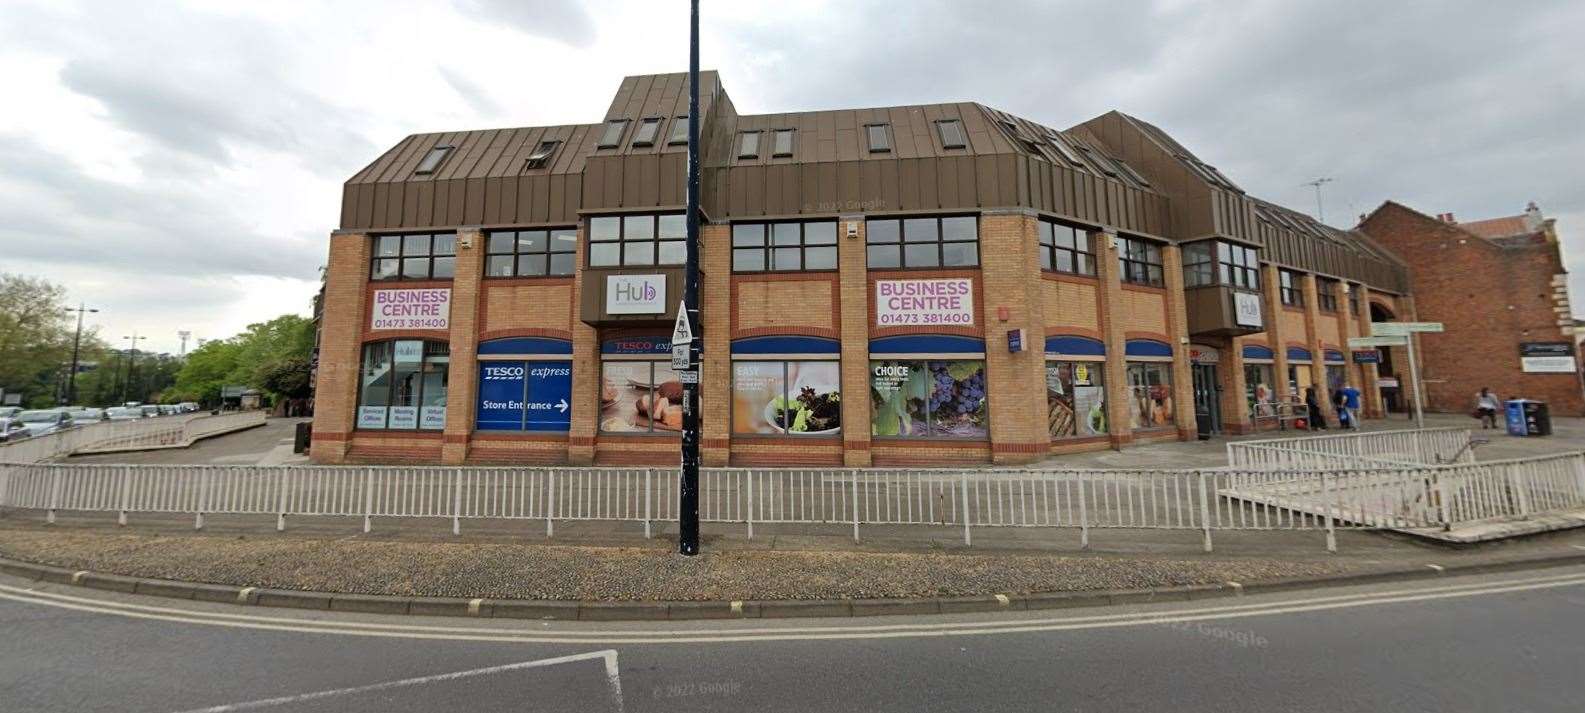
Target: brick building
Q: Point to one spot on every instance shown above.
(1501, 289)
(934, 284)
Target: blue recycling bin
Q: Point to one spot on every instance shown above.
(1513, 412)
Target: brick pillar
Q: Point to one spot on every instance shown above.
(715, 296)
(340, 346)
(1235, 408)
(1178, 332)
(1312, 341)
(853, 295)
(462, 382)
(585, 369)
(1272, 287)
(1345, 325)
(1109, 291)
(1372, 402)
(1014, 383)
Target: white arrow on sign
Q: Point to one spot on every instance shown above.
(1367, 342)
(683, 332)
(561, 406)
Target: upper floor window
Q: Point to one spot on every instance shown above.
(612, 137)
(748, 144)
(1239, 265)
(423, 256)
(922, 242)
(783, 145)
(1353, 300)
(1326, 295)
(541, 156)
(1139, 261)
(1290, 291)
(1064, 248)
(531, 253)
(679, 132)
(648, 128)
(951, 132)
(616, 241)
(879, 140)
(760, 247)
(432, 160)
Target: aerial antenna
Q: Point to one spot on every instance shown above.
(1320, 215)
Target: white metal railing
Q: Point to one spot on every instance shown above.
(1408, 447)
(1203, 500)
(112, 436)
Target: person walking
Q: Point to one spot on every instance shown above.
(1340, 405)
(1486, 407)
(1313, 407)
(1351, 403)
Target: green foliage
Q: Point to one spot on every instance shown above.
(271, 356)
(35, 337)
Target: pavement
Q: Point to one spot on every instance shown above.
(270, 444)
(1495, 642)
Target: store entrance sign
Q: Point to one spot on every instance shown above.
(635, 294)
(927, 303)
(424, 308)
(525, 396)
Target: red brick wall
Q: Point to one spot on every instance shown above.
(1490, 297)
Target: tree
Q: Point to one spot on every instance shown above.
(35, 337)
(265, 356)
(288, 378)
(207, 368)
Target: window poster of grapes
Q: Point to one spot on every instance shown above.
(1075, 399)
(934, 399)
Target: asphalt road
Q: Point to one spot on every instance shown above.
(1511, 642)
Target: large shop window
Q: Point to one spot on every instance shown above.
(1260, 390)
(1139, 261)
(637, 240)
(930, 399)
(639, 393)
(922, 242)
(787, 397)
(1075, 399)
(1064, 248)
(403, 385)
(426, 256)
(761, 247)
(531, 253)
(1150, 395)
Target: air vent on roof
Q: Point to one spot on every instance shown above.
(432, 160)
(541, 156)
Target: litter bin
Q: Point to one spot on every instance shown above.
(1537, 419)
(1513, 414)
(305, 433)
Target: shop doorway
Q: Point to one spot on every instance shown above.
(1207, 399)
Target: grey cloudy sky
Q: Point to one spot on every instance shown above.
(177, 164)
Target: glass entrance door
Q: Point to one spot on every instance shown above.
(1207, 399)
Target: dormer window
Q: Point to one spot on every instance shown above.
(879, 140)
(783, 145)
(647, 130)
(748, 144)
(612, 137)
(432, 160)
(679, 132)
(951, 133)
(541, 156)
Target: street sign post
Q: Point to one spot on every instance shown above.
(688, 316)
(1399, 329)
(1404, 333)
(1368, 342)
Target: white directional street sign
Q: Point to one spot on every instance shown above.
(683, 332)
(1387, 329)
(1368, 342)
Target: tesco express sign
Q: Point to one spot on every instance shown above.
(427, 308)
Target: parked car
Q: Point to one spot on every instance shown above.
(122, 413)
(168, 410)
(188, 406)
(150, 410)
(41, 422)
(12, 430)
(85, 416)
(10, 411)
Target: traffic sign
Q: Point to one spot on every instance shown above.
(1367, 342)
(1386, 329)
(679, 357)
(683, 332)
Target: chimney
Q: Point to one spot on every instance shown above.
(1532, 217)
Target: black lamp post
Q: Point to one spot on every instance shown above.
(77, 342)
(688, 515)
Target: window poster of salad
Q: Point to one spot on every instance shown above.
(640, 397)
(929, 399)
(800, 398)
(1075, 399)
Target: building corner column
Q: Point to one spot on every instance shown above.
(1235, 407)
(1178, 332)
(854, 315)
(462, 380)
(585, 368)
(1373, 406)
(715, 295)
(1109, 279)
(340, 346)
(1015, 382)
(1312, 342)
(1271, 290)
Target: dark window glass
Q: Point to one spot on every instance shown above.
(432, 160)
(784, 143)
(1139, 261)
(1326, 295)
(748, 144)
(647, 129)
(926, 242)
(531, 253)
(1291, 292)
(679, 131)
(951, 131)
(1064, 248)
(541, 156)
(879, 140)
(636, 240)
(612, 137)
(758, 247)
(419, 256)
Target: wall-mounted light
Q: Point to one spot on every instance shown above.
(853, 229)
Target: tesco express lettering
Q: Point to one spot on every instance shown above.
(412, 309)
(948, 301)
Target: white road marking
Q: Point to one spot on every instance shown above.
(725, 635)
(609, 655)
(1439, 568)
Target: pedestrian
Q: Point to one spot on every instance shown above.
(1340, 405)
(1313, 408)
(1351, 402)
(1486, 407)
